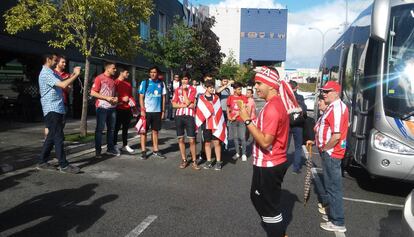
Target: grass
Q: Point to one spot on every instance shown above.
(75, 137)
(307, 87)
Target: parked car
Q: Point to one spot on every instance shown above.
(309, 99)
(407, 225)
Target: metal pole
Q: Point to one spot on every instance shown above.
(323, 34)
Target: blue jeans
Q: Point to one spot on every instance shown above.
(332, 178)
(108, 117)
(297, 133)
(55, 123)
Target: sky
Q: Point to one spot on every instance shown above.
(304, 46)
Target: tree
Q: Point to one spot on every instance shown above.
(230, 68)
(210, 61)
(94, 27)
(174, 50)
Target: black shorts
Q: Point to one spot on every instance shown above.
(153, 121)
(185, 123)
(266, 190)
(208, 135)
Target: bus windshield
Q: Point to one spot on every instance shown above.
(399, 75)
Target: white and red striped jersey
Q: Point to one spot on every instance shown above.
(273, 120)
(316, 129)
(212, 114)
(334, 120)
(178, 98)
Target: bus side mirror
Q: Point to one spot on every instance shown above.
(380, 19)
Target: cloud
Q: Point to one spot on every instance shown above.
(247, 4)
(304, 45)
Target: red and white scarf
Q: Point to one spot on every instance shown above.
(212, 114)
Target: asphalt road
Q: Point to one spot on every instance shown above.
(125, 196)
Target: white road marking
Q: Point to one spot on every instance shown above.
(319, 184)
(142, 226)
(373, 202)
(339, 234)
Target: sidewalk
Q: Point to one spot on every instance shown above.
(20, 145)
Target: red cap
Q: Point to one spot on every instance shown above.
(332, 86)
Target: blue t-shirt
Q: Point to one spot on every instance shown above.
(153, 96)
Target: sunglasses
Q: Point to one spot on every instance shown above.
(326, 91)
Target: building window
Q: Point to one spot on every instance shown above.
(144, 30)
(262, 35)
(252, 35)
(281, 36)
(162, 23)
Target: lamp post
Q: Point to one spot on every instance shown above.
(323, 34)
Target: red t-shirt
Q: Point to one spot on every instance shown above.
(179, 99)
(232, 104)
(63, 76)
(273, 120)
(334, 120)
(105, 86)
(123, 88)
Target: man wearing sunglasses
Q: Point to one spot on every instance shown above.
(331, 136)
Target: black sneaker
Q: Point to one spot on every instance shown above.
(143, 155)
(46, 166)
(70, 169)
(158, 154)
(219, 165)
(208, 165)
(114, 152)
(199, 160)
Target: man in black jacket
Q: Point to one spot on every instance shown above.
(296, 129)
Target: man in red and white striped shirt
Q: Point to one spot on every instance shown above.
(270, 133)
(331, 140)
(183, 101)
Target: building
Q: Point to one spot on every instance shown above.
(300, 75)
(20, 62)
(251, 34)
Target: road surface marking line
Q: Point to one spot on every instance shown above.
(373, 202)
(319, 184)
(142, 226)
(340, 234)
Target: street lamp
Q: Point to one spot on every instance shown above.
(323, 34)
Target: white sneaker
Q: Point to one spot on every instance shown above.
(325, 217)
(329, 226)
(244, 157)
(236, 156)
(128, 149)
(322, 210)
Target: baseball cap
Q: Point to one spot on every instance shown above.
(332, 86)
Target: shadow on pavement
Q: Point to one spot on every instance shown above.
(288, 201)
(55, 213)
(14, 180)
(391, 225)
(379, 185)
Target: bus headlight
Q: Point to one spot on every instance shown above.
(385, 143)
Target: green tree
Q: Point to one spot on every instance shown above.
(94, 27)
(174, 50)
(230, 68)
(245, 74)
(210, 61)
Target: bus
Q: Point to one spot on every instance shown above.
(373, 60)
